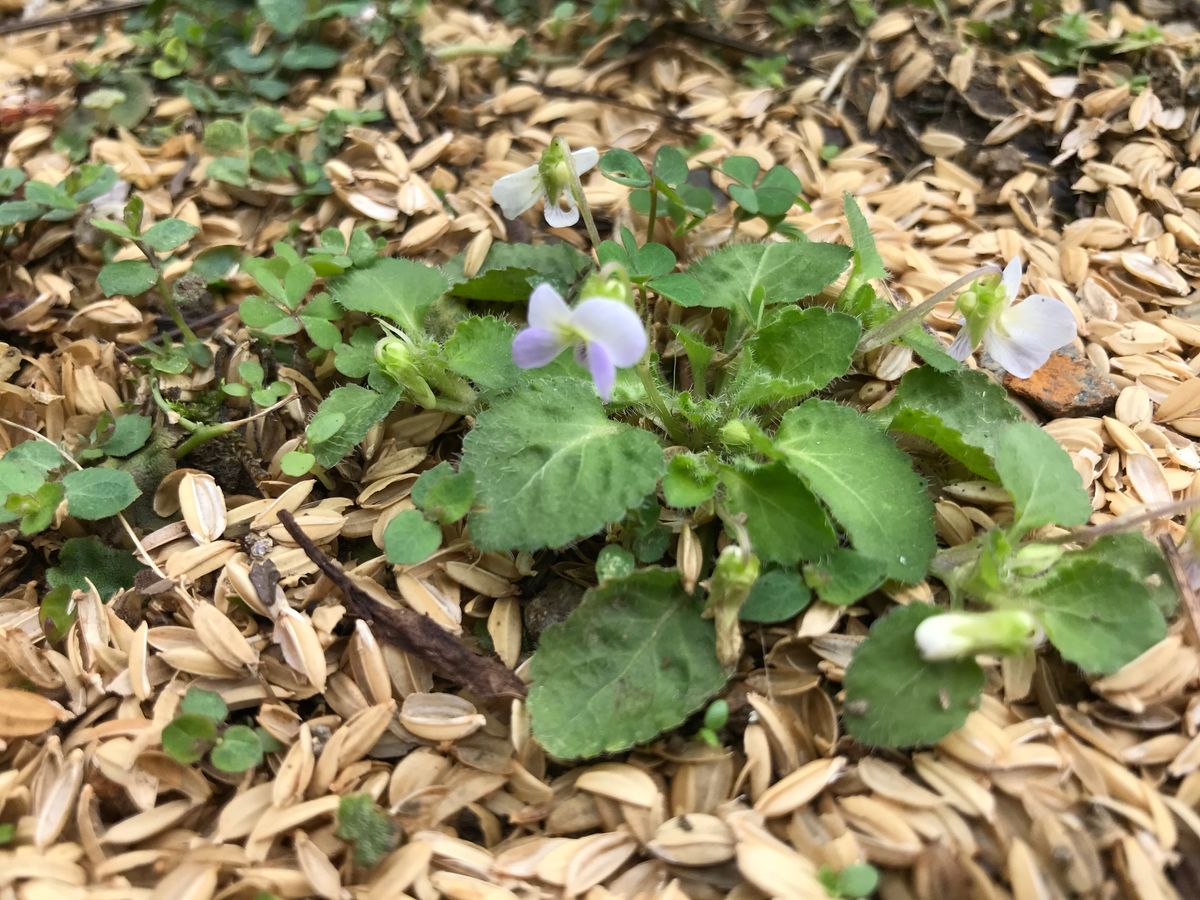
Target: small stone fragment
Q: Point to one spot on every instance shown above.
(1067, 386)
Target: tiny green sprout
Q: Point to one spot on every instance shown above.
(396, 355)
(716, 717)
(855, 882)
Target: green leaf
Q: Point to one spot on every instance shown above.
(409, 538)
(45, 500)
(310, 56)
(449, 498)
(187, 738)
(89, 558)
(217, 263)
(551, 467)
(510, 271)
(358, 408)
(1133, 552)
(728, 278)
(199, 702)
(398, 289)
(98, 493)
(743, 169)
(691, 479)
(8, 831)
(865, 481)
(844, 576)
(785, 522)
(670, 165)
(18, 476)
(635, 658)
(624, 168)
(614, 561)
(11, 178)
(640, 263)
(57, 613)
(367, 827)
(223, 136)
(296, 463)
(481, 349)
(14, 212)
(129, 434)
(1099, 616)
(285, 16)
(866, 257)
(168, 234)
(39, 454)
(1038, 474)
(321, 332)
(894, 697)
(237, 750)
(259, 313)
(799, 351)
(777, 192)
(299, 279)
(858, 880)
(963, 412)
(117, 229)
(777, 595)
(130, 277)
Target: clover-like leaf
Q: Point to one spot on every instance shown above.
(894, 697)
(168, 234)
(237, 750)
(635, 658)
(361, 822)
(409, 538)
(129, 277)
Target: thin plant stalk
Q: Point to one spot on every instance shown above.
(898, 324)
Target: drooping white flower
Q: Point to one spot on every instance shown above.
(111, 204)
(1019, 336)
(554, 178)
(960, 635)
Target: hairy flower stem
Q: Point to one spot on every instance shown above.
(576, 189)
(668, 420)
(164, 292)
(898, 324)
(652, 220)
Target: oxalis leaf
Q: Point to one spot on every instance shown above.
(1038, 474)
(865, 480)
(551, 467)
(633, 660)
(1099, 616)
(894, 698)
(728, 277)
(398, 289)
(963, 412)
(799, 351)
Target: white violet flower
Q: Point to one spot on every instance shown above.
(554, 178)
(1019, 336)
(961, 635)
(111, 204)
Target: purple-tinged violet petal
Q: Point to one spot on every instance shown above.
(547, 309)
(600, 364)
(613, 325)
(961, 348)
(535, 347)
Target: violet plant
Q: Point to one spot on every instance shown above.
(720, 466)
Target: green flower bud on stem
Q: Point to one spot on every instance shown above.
(1010, 632)
(735, 573)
